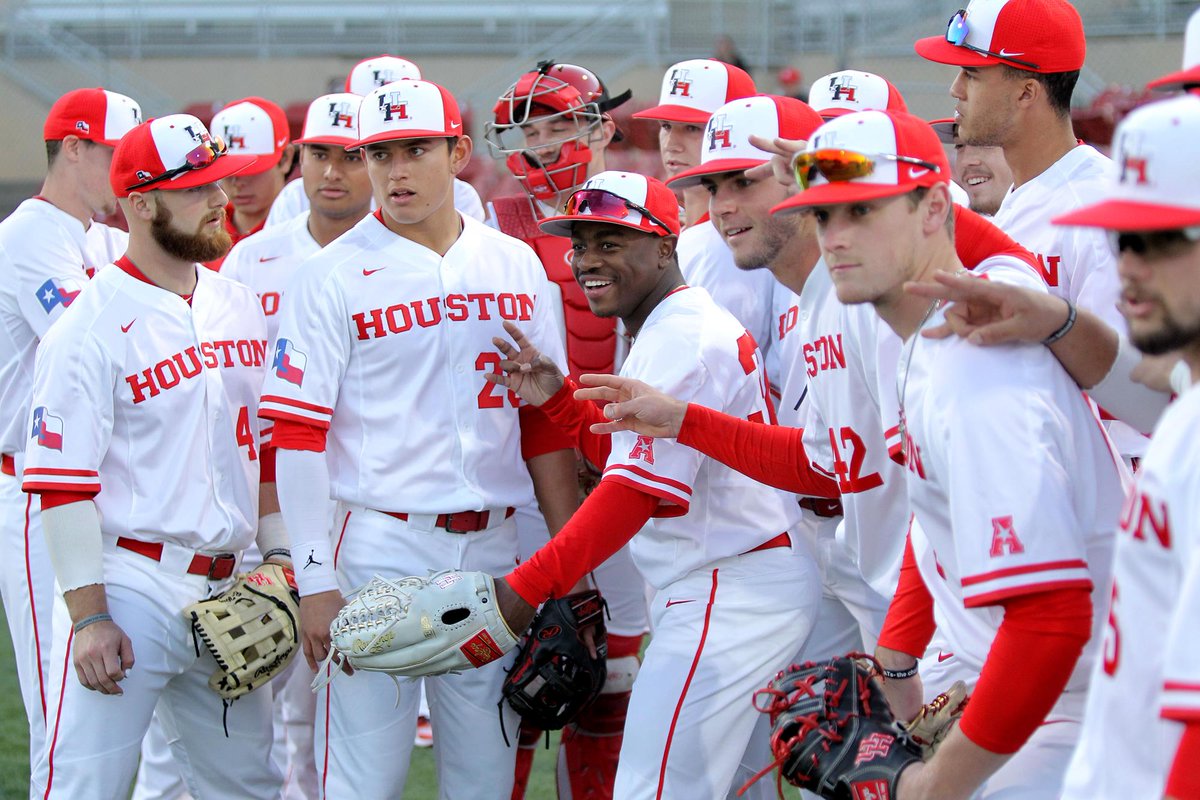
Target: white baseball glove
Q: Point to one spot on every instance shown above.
(446, 622)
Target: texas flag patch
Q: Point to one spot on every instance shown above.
(47, 429)
(57, 292)
(289, 362)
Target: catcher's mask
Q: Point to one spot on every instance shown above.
(543, 126)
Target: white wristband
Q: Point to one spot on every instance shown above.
(313, 564)
(74, 544)
(1181, 377)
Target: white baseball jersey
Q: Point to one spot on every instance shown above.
(47, 257)
(1013, 483)
(707, 262)
(292, 201)
(1148, 677)
(723, 371)
(376, 322)
(267, 262)
(130, 361)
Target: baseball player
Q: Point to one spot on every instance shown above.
(258, 128)
(366, 76)
(736, 587)
(392, 322)
(49, 248)
(571, 103)
(142, 445)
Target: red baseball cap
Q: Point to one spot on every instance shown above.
(692, 90)
(1189, 76)
(371, 73)
(1157, 181)
(407, 109)
(620, 198)
(253, 127)
(727, 145)
(902, 150)
(853, 90)
(1044, 36)
(172, 152)
(96, 115)
(332, 119)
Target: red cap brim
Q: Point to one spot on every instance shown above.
(828, 194)
(396, 136)
(936, 48)
(692, 177)
(684, 114)
(343, 141)
(1129, 215)
(1177, 80)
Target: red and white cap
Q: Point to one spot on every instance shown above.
(407, 110)
(332, 119)
(371, 73)
(254, 127)
(1157, 185)
(946, 129)
(640, 190)
(96, 115)
(159, 146)
(727, 147)
(1019, 33)
(852, 90)
(692, 90)
(1189, 76)
(875, 134)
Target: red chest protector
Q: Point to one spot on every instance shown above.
(591, 340)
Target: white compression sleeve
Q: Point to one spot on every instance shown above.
(74, 543)
(1127, 400)
(302, 480)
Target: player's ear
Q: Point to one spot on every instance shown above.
(666, 248)
(460, 153)
(935, 207)
(142, 205)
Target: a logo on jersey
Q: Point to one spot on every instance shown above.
(643, 450)
(400, 318)
(1133, 165)
(842, 89)
(234, 137)
(173, 370)
(875, 789)
(47, 429)
(1145, 519)
(1048, 268)
(57, 292)
(83, 127)
(392, 107)
(720, 135)
(872, 747)
(1004, 538)
(341, 114)
(824, 354)
(289, 362)
(680, 84)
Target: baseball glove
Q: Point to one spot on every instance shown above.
(832, 732)
(251, 629)
(936, 719)
(555, 676)
(446, 622)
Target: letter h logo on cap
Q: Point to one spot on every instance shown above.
(680, 83)
(842, 89)
(1133, 164)
(719, 133)
(392, 107)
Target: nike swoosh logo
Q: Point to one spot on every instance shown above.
(125, 328)
(916, 172)
(944, 656)
(1005, 54)
(678, 602)
(367, 272)
(455, 126)
(264, 259)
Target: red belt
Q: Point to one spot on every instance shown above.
(462, 522)
(822, 508)
(782, 540)
(216, 567)
(8, 465)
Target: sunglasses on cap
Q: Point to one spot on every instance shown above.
(601, 203)
(956, 34)
(199, 158)
(1154, 244)
(839, 165)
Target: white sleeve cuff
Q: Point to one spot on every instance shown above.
(74, 544)
(302, 480)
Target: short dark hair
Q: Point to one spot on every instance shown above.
(914, 201)
(1059, 86)
(53, 147)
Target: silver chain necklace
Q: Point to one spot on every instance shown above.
(902, 384)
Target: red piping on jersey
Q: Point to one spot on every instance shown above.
(62, 696)
(676, 290)
(671, 505)
(337, 549)
(683, 487)
(287, 401)
(993, 598)
(662, 772)
(1181, 686)
(1047, 566)
(37, 640)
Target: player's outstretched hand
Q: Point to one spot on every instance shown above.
(633, 406)
(102, 654)
(989, 312)
(524, 369)
(317, 612)
(780, 165)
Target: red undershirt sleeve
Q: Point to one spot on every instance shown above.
(53, 499)
(909, 625)
(1184, 781)
(770, 454)
(1031, 660)
(266, 463)
(608, 518)
(575, 418)
(539, 435)
(292, 435)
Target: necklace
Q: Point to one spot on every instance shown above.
(902, 384)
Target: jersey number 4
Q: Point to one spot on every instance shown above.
(245, 435)
(490, 396)
(749, 358)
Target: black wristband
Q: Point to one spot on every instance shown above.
(83, 623)
(1066, 326)
(278, 551)
(899, 674)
